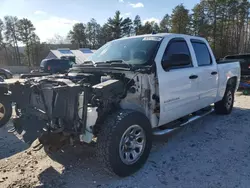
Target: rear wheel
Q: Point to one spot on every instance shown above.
(225, 106)
(5, 110)
(124, 142)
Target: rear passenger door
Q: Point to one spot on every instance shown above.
(207, 73)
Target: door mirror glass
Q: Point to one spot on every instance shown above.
(176, 60)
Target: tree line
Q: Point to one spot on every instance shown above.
(14, 31)
(224, 23)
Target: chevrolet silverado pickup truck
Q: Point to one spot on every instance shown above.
(127, 91)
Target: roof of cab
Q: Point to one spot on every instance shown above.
(164, 35)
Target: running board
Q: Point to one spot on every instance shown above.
(192, 119)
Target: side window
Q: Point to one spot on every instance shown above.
(176, 55)
(202, 53)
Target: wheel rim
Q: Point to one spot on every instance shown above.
(132, 144)
(2, 111)
(229, 100)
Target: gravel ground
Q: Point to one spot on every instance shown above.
(212, 152)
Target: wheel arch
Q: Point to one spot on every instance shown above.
(232, 82)
(139, 107)
(223, 85)
(129, 108)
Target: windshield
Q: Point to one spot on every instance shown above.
(132, 50)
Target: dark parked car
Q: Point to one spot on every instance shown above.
(5, 74)
(53, 66)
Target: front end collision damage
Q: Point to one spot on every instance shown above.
(66, 106)
(140, 97)
(78, 108)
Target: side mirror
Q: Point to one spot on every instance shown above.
(176, 60)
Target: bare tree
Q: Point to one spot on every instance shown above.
(10, 34)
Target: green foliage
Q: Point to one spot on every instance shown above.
(93, 31)
(1, 32)
(105, 34)
(25, 30)
(25, 34)
(180, 20)
(137, 24)
(225, 23)
(78, 35)
(165, 24)
(10, 33)
(118, 26)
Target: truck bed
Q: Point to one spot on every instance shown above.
(227, 61)
(227, 69)
(244, 60)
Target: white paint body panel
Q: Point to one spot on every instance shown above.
(179, 95)
(208, 83)
(227, 71)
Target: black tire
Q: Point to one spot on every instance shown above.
(6, 108)
(223, 107)
(110, 135)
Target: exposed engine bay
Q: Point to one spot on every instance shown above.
(78, 102)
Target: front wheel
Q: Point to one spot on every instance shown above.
(225, 106)
(124, 142)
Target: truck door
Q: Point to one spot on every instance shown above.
(207, 73)
(178, 80)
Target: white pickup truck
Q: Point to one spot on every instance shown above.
(129, 90)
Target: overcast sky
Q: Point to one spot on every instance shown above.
(52, 17)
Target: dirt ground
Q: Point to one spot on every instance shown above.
(212, 152)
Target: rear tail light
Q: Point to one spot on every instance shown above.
(49, 68)
(249, 66)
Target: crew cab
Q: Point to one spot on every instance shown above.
(127, 91)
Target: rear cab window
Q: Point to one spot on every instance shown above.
(202, 53)
(177, 50)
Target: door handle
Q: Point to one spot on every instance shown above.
(214, 73)
(193, 77)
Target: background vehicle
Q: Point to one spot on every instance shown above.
(244, 60)
(55, 65)
(51, 66)
(5, 74)
(131, 89)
